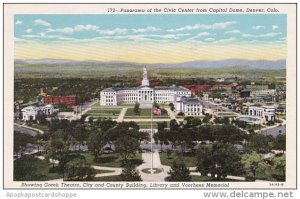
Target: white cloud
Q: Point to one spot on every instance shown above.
(87, 27)
(209, 39)
(147, 29)
(233, 32)
(40, 22)
(29, 30)
(31, 36)
(203, 34)
(115, 31)
(77, 28)
(258, 27)
(274, 27)
(221, 25)
(271, 34)
(231, 39)
(18, 22)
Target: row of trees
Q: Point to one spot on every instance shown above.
(219, 160)
(63, 135)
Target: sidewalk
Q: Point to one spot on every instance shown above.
(122, 115)
(147, 158)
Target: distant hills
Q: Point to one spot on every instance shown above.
(119, 65)
(205, 64)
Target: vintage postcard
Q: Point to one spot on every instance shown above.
(150, 96)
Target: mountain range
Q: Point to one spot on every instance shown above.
(120, 65)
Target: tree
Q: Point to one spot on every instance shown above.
(260, 143)
(172, 107)
(20, 142)
(78, 170)
(80, 134)
(161, 137)
(206, 118)
(279, 167)
(191, 122)
(280, 142)
(25, 169)
(219, 160)
(96, 141)
(179, 172)
(253, 163)
(180, 114)
(130, 174)
(173, 125)
(55, 149)
(127, 146)
(136, 108)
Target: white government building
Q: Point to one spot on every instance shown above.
(146, 96)
(267, 113)
(30, 112)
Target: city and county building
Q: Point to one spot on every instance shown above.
(30, 113)
(189, 106)
(144, 94)
(267, 113)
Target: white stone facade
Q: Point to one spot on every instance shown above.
(142, 94)
(30, 112)
(189, 106)
(267, 113)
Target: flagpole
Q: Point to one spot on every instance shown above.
(151, 138)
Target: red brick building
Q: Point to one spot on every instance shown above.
(69, 100)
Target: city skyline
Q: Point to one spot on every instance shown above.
(150, 38)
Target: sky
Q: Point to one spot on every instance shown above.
(172, 38)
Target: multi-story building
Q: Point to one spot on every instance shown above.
(189, 106)
(69, 100)
(262, 93)
(144, 94)
(254, 87)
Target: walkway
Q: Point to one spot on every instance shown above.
(30, 128)
(147, 158)
(122, 115)
(172, 114)
(115, 171)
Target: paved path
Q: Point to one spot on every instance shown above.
(171, 114)
(146, 120)
(147, 158)
(28, 128)
(122, 115)
(115, 171)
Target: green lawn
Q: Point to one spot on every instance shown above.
(189, 159)
(104, 112)
(226, 114)
(144, 113)
(108, 178)
(147, 125)
(40, 127)
(103, 171)
(110, 160)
